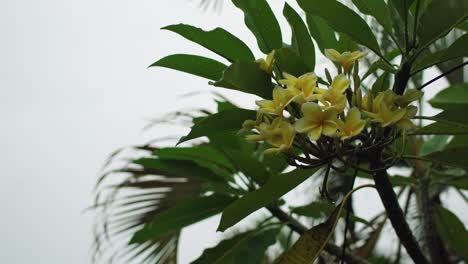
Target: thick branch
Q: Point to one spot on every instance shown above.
(301, 229)
(394, 212)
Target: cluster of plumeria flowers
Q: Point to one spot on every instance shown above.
(303, 114)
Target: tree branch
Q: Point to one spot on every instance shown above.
(301, 229)
(394, 212)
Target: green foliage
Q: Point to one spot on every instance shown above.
(246, 76)
(342, 19)
(155, 195)
(260, 19)
(452, 230)
(275, 188)
(322, 33)
(248, 247)
(181, 215)
(435, 23)
(453, 97)
(303, 41)
(196, 65)
(228, 121)
(218, 40)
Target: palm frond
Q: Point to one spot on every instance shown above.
(127, 199)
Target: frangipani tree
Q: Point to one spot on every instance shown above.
(357, 120)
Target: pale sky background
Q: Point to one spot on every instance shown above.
(74, 87)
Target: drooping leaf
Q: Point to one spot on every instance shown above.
(287, 61)
(378, 9)
(228, 121)
(275, 188)
(217, 40)
(322, 33)
(260, 19)
(305, 46)
(246, 76)
(312, 242)
(182, 215)
(193, 64)
(455, 96)
(248, 247)
(342, 19)
(452, 230)
(319, 209)
(435, 21)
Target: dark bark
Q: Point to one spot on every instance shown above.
(393, 209)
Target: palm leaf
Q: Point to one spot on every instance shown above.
(128, 198)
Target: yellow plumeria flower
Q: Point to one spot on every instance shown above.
(281, 99)
(333, 96)
(409, 97)
(302, 87)
(384, 110)
(405, 121)
(280, 134)
(345, 59)
(317, 121)
(267, 64)
(352, 126)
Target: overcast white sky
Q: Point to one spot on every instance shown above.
(74, 87)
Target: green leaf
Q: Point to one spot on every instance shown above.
(343, 20)
(304, 43)
(308, 247)
(442, 128)
(402, 6)
(436, 143)
(275, 163)
(322, 33)
(463, 26)
(381, 84)
(455, 96)
(249, 165)
(439, 18)
(182, 215)
(346, 44)
(452, 230)
(227, 121)
(377, 9)
(260, 19)
(193, 64)
(246, 248)
(246, 76)
(204, 153)
(218, 40)
(275, 188)
(456, 50)
(288, 61)
(455, 157)
(179, 168)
